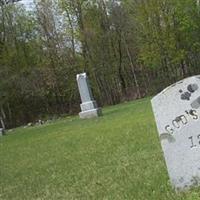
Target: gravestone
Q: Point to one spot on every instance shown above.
(2, 128)
(89, 108)
(2, 132)
(177, 114)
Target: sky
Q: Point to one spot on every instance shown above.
(27, 3)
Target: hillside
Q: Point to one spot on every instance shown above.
(117, 156)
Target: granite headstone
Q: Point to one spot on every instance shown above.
(89, 108)
(177, 114)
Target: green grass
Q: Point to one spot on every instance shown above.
(117, 156)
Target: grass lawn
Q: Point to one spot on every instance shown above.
(117, 156)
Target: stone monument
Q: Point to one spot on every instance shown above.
(2, 132)
(2, 128)
(177, 114)
(89, 106)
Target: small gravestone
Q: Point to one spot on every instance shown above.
(89, 106)
(177, 114)
(2, 132)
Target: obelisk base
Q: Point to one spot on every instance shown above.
(90, 113)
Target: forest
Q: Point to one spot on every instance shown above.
(130, 49)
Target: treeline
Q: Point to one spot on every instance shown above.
(129, 49)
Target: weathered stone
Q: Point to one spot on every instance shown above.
(2, 131)
(177, 115)
(89, 106)
(90, 113)
(29, 124)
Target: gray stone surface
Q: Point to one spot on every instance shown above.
(2, 132)
(177, 114)
(89, 106)
(90, 113)
(84, 88)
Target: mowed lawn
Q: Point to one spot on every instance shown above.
(117, 156)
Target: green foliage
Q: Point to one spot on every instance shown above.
(168, 32)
